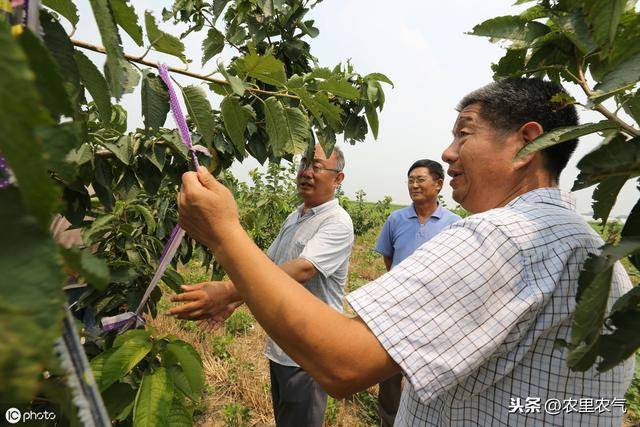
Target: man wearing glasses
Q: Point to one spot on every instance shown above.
(405, 231)
(313, 247)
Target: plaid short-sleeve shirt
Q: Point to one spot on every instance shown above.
(472, 316)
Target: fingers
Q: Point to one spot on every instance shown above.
(194, 295)
(206, 179)
(195, 287)
(190, 181)
(186, 309)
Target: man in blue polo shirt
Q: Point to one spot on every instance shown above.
(405, 231)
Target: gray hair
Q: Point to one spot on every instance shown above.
(510, 103)
(339, 157)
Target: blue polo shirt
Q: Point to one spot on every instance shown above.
(402, 233)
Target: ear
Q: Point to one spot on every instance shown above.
(339, 178)
(439, 184)
(527, 134)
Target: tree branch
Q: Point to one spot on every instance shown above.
(100, 49)
(582, 81)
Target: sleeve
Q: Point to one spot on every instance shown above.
(328, 249)
(456, 302)
(384, 244)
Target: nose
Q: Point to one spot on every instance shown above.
(450, 154)
(306, 172)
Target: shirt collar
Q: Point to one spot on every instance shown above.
(546, 195)
(320, 208)
(436, 214)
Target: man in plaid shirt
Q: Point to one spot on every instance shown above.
(471, 317)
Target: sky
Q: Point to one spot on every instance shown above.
(422, 47)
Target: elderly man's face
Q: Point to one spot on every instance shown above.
(318, 177)
(480, 162)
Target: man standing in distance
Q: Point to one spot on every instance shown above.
(405, 231)
(313, 247)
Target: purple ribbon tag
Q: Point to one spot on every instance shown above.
(122, 321)
(127, 320)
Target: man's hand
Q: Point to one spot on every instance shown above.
(208, 300)
(213, 323)
(207, 211)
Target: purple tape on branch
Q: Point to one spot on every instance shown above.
(4, 174)
(177, 113)
(121, 321)
(124, 321)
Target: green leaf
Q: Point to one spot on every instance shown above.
(96, 85)
(161, 41)
(190, 362)
(155, 101)
(235, 121)
(617, 158)
(379, 77)
(605, 195)
(18, 142)
(30, 314)
(623, 342)
(236, 83)
(603, 16)
(115, 67)
(123, 360)
(624, 76)
(121, 149)
(179, 416)
(633, 106)
(176, 144)
(200, 111)
(48, 78)
(372, 118)
(119, 400)
(56, 40)
(288, 128)
(574, 26)
(212, 45)
(126, 17)
(158, 155)
(339, 87)
(511, 64)
(173, 279)
(82, 262)
(140, 335)
(58, 142)
(320, 106)
(97, 364)
(65, 8)
(632, 229)
(562, 134)
(514, 28)
(265, 68)
(592, 297)
(148, 217)
(154, 399)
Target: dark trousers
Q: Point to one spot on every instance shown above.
(298, 400)
(389, 399)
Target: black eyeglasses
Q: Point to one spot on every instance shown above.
(315, 167)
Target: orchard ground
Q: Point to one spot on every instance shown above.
(238, 389)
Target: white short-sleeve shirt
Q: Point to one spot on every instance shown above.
(323, 235)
